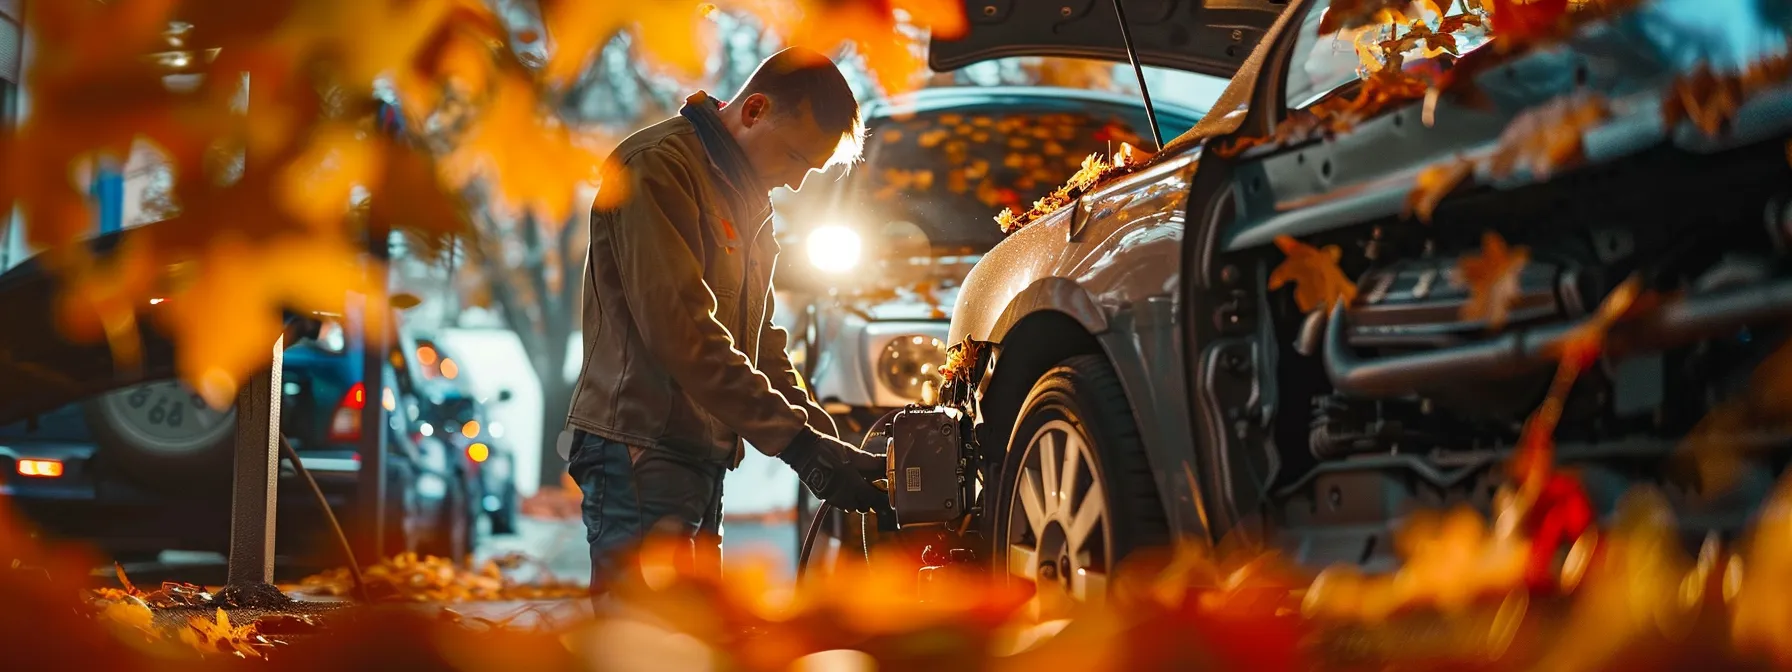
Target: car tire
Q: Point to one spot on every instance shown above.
(1069, 546)
(131, 427)
(453, 534)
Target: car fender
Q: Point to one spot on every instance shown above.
(1109, 264)
(1113, 247)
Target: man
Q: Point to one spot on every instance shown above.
(681, 359)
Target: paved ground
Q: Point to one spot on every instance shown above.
(561, 544)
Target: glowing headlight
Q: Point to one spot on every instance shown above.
(834, 248)
(909, 364)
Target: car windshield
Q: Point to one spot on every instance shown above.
(942, 176)
(1323, 64)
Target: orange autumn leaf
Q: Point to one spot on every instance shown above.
(1433, 184)
(536, 161)
(1707, 99)
(1547, 138)
(871, 25)
(1348, 14)
(670, 32)
(1710, 99)
(1314, 272)
(1517, 21)
(1492, 280)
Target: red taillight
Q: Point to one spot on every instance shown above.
(345, 423)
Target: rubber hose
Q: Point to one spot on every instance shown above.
(354, 568)
(802, 559)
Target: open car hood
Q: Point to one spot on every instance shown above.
(1211, 37)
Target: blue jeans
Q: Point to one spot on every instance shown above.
(632, 492)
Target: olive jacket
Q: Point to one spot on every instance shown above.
(679, 350)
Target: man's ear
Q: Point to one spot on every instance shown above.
(756, 108)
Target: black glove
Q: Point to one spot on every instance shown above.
(836, 472)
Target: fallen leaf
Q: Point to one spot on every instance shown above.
(1433, 184)
(1492, 279)
(1547, 138)
(1314, 272)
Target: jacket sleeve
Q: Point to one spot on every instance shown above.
(774, 359)
(674, 310)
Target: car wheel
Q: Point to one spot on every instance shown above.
(164, 436)
(1076, 494)
(453, 535)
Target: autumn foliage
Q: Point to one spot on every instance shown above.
(275, 142)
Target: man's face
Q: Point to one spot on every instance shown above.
(783, 145)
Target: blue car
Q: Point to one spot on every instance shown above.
(147, 467)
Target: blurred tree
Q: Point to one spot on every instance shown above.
(278, 232)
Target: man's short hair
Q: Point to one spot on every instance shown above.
(797, 76)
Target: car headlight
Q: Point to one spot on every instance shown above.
(834, 248)
(910, 365)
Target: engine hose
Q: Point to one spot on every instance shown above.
(354, 568)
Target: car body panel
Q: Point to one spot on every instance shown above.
(1631, 61)
(1114, 247)
(1207, 36)
(1362, 175)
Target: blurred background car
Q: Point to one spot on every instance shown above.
(463, 420)
(147, 468)
(874, 256)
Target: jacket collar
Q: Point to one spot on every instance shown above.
(747, 195)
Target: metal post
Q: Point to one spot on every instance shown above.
(254, 488)
(374, 345)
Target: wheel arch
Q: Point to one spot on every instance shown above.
(1041, 339)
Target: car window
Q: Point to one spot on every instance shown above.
(1323, 64)
(949, 172)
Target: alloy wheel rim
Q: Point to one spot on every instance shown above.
(1059, 528)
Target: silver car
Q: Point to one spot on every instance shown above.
(875, 256)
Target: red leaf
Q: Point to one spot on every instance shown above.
(1524, 20)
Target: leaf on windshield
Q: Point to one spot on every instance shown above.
(1492, 279)
(1433, 184)
(1547, 138)
(1314, 272)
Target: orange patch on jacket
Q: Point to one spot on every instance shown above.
(728, 229)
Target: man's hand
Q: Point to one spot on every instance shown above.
(836, 472)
